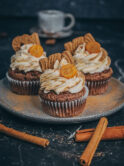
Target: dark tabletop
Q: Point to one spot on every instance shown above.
(61, 151)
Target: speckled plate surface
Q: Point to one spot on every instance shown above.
(29, 106)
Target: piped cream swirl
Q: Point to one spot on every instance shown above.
(23, 60)
(51, 80)
(91, 63)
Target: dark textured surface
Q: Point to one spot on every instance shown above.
(61, 150)
(80, 8)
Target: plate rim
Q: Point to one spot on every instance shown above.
(57, 120)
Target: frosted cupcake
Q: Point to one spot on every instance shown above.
(24, 72)
(92, 60)
(62, 90)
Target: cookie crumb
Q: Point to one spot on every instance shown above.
(50, 42)
(99, 154)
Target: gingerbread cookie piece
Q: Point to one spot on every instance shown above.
(52, 59)
(67, 55)
(71, 46)
(48, 63)
(35, 38)
(77, 41)
(25, 39)
(50, 42)
(68, 46)
(44, 64)
(88, 38)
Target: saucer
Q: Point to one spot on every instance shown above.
(62, 34)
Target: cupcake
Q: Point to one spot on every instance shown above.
(62, 87)
(92, 60)
(24, 72)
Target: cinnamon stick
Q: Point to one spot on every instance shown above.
(89, 151)
(111, 133)
(23, 136)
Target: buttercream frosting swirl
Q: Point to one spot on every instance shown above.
(51, 80)
(23, 60)
(91, 62)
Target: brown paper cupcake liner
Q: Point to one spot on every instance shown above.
(23, 87)
(97, 87)
(65, 109)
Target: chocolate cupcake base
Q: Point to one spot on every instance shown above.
(65, 108)
(98, 82)
(97, 87)
(23, 87)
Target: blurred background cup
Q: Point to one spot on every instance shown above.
(52, 21)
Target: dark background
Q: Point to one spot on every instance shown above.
(104, 19)
(105, 9)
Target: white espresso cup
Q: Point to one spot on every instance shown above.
(52, 21)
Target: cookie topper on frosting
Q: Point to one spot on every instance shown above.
(92, 45)
(48, 63)
(18, 41)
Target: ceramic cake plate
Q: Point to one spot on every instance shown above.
(29, 107)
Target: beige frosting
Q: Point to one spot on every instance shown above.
(90, 63)
(51, 80)
(23, 60)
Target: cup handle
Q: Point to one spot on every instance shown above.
(68, 15)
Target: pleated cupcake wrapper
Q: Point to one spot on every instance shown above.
(23, 87)
(95, 83)
(65, 109)
(97, 87)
